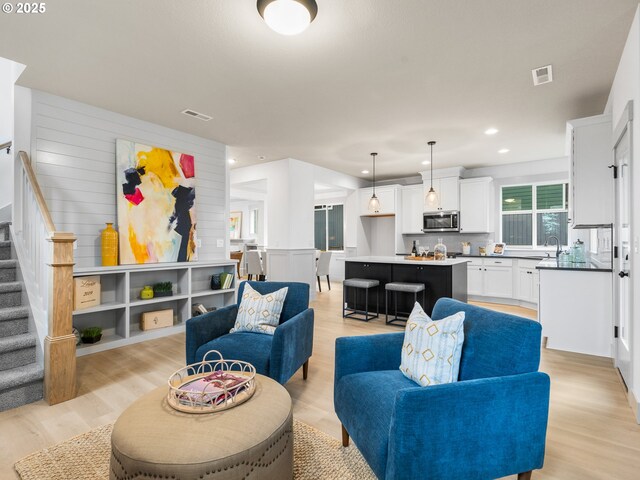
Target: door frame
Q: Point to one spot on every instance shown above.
(624, 125)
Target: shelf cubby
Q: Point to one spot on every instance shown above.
(121, 308)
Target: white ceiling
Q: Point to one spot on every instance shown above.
(367, 75)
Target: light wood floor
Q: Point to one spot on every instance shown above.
(591, 433)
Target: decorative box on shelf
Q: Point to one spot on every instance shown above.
(86, 292)
(156, 319)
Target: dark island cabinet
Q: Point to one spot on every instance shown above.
(370, 271)
(439, 281)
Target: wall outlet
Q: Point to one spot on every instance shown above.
(220, 243)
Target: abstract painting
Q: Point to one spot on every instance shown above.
(235, 225)
(156, 202)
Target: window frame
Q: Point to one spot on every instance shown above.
(323, 206)
(534, 211)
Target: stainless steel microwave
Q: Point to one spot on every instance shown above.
(441, 222)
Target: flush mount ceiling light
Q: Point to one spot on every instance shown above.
(426, 162)
(374, 203)
(431, 199)
(231, 161)
(491, 131)
(503, 150)
(288, 17)
(365, 172)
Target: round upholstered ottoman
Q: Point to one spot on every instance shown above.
(253, 440)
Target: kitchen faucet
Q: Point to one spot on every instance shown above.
(546, 244)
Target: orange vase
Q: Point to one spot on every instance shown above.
(109, 246)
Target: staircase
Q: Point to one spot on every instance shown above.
(20, 376)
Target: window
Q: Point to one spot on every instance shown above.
(532, 213)
(329, 227)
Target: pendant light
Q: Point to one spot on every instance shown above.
(374, 203)
(288, 17)
(431, 199)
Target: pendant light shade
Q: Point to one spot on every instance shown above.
(374, 203)
(288, 17)
(431, 201)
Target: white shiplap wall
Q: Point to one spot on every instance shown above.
(73, 150)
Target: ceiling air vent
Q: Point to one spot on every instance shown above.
(198, 115)
(542, 75)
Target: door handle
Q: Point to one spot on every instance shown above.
(623, 274)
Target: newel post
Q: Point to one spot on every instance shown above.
(60, 343)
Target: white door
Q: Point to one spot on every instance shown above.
(475, 277)
(474, 207)
(498, 282)
(525, 284)
(412, 209)
(622, 264)
(448, 193)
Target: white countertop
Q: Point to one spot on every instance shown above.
(400, 259)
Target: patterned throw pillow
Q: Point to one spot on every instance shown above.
(431, 349)
(259, 313)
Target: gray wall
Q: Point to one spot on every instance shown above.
(73, 151)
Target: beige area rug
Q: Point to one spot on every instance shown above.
(86, 457)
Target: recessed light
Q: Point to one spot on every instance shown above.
(231, 161)
(426, 162)
(365, 171)
(503, 150)
(491, 131)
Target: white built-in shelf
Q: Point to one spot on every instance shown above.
(205, 293)
(121, 308)
(100, 308)
(137, 303)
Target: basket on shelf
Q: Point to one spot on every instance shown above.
(211, 385)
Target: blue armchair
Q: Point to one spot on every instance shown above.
(278, 356)
(489, 424)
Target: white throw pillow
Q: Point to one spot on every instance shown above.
(431, 349)
(259, 313)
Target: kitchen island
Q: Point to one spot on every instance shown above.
(447, 278)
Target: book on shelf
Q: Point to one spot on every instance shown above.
(226, 279)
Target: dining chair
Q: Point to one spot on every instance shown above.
(254, 265)
(322, 268)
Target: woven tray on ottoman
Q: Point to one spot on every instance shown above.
(253, 440)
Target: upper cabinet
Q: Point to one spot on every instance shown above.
(591, 179)
(448, 192)
(476, 205)
(412, 208)
(387, 197)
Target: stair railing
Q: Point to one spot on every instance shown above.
(46, 263)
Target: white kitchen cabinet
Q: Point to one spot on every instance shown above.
(490, 278)
(476, 205)
(387, 197)
(412, 208)
(528, 281)
(591, 182)
(498, 281)
(575, 311)
(448, 193)
(475, 278)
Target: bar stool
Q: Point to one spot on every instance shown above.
(359, 283)
(400, 287)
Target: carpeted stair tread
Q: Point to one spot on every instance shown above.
(12, 313)
(8, 287)
(20, 376)
(17, 342)
(8, 263)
